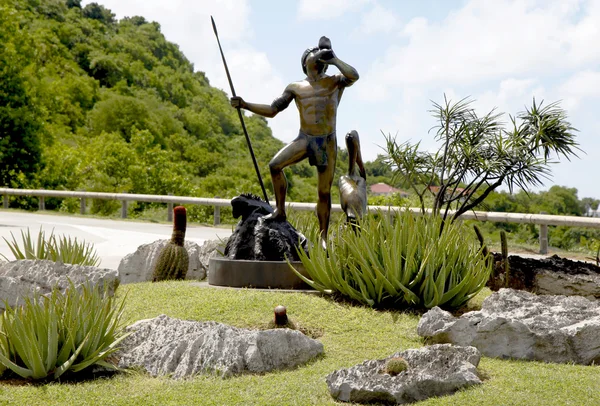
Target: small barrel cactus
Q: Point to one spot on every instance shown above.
(174, 260)
(396, 365)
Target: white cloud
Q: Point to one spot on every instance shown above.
(327, 9)
(582, 85)
(416, 27)
(490, 40)
(379, 19)
(511, 96)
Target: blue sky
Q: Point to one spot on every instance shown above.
(501, 53)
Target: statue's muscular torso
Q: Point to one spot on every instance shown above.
(317, 103)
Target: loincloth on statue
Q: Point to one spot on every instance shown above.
(317, 146)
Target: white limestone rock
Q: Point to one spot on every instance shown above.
(22, 278)
(138, 266)
(555, 283)
(522, 325)
(209, 249)
(184, 348)
(435, 370)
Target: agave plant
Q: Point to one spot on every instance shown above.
(50, 335)
(64, 249)
(405, 262)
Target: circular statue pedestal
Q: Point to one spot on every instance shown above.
(238, 273)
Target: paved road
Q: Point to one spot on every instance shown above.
(113, 239)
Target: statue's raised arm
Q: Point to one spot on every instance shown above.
(325, 55)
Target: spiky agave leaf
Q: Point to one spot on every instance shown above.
(51, 335)
(405, 262)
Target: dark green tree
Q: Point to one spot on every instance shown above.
(73, 3)
(560, 200)
(20, 149)
(98, 12)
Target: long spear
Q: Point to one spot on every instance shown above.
(240, 113)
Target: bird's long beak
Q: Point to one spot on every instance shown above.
(354, 154)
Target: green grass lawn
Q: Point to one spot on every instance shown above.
(350, 334)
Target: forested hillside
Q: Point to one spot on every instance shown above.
(91, 103)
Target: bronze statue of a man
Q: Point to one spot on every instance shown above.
(317, 98)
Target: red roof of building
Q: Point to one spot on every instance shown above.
(383, 188)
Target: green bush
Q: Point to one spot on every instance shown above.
(63, 249)
(399, 263)
(49, 336)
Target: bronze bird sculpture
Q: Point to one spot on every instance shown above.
(353, 187)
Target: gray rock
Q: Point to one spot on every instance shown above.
(555, 283)
(435, 370)
(138, 266)
(209, 249)
(548, 276)
(183, 348)
(522, 325)
(20, 279)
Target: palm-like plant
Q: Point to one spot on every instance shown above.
(479, 153)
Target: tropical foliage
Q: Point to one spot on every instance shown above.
(478, 154)
(91, 103)
(399, 263)
(63, 248)
(51, 335)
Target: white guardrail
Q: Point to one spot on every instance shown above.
(543, 220)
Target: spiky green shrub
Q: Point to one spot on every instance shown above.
(50, 335)
(173, 260)
(401, 262)
(64, 249)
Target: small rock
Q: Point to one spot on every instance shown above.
(435, 370)
(522, 325)
(548, 276)
(20, 279)
(183, 348)
(555, 283)
(209, 249)
(138, 266)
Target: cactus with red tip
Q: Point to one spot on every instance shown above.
(173, 260)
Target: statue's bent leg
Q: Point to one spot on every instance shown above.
(324, 188)
(288, 155)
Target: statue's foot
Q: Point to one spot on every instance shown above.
(323, 242)
(275, 216)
